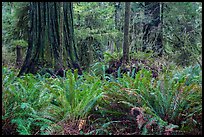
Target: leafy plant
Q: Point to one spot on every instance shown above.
(167, 100)
(98, 69)
(193, 74)
(73, 100)
(26, 104)
(112, 57)
(21, 43)
(141, 55)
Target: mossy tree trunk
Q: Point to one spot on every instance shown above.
(46, 47)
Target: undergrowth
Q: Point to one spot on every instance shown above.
(97, 103)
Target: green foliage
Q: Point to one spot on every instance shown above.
(18, 43)
(8, 21)
(14, 29)
(8, 57)
(171, 99)
(22, 20)
(193, 74)
(26, 103)
(172, 102)
(141, 55)
(35, 103)
(108, 57)
(183, 41)
(72, 99)
(98, 69)
(21, 43)
(95, 20)
(14, 21)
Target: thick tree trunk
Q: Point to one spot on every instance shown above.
(69, 43)
(29, 63)
(126, 33)
(45, 42)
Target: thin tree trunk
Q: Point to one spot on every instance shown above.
(117, 7)
(126, 33)
(162, 27)
(18, 56)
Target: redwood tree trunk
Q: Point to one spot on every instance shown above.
(44, 45)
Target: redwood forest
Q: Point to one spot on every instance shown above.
(101, 68)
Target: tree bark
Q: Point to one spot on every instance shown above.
(18, 56)
(44, 45)
(69, 42)
(126, 33)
